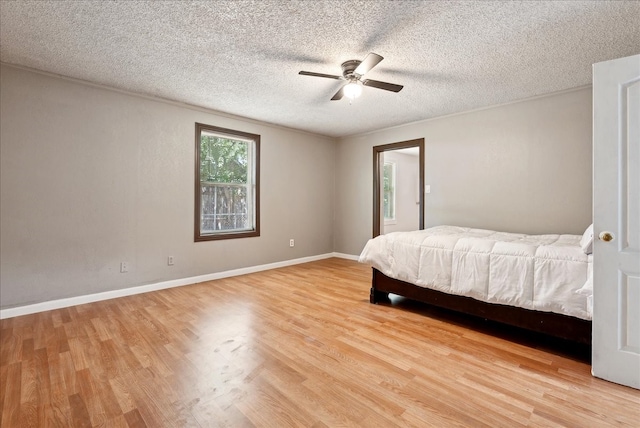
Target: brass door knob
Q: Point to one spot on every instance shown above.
(606, 236)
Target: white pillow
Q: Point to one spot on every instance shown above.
(586, 242)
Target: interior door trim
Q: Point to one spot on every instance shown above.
(377, 152)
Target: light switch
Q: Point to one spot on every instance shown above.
(427, 188)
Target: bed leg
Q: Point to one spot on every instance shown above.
(376, 296)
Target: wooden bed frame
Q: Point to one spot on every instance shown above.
(549, 323)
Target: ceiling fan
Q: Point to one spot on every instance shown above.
(352, 72)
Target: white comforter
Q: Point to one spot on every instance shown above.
(540, 272)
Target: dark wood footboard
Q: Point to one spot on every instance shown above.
(549, 323)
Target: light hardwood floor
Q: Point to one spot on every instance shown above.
(297, 346)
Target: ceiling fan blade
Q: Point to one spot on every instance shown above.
(382, 85)
(339, 94)
(370, 61)
(328, 76)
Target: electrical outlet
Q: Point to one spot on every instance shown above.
(292, 243)
(124, 267)
(170, 260)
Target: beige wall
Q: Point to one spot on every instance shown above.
(91, 177)
(523, 167)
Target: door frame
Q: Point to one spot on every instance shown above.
(377, 154)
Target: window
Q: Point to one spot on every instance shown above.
(227, 196)
(389, 192)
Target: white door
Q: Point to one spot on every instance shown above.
(616, 212)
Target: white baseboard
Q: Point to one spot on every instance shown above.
(346, 256)
(89, 298)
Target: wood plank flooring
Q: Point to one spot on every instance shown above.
(294, 347)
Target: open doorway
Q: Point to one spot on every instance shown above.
(398, 180)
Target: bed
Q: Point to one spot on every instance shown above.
(541, 283)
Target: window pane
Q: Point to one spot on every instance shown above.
(389, 183)
(223, 160)
(224, 208)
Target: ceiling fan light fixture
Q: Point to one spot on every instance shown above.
(352, 90)
(352, 72)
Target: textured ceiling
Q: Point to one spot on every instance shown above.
(243, 57)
